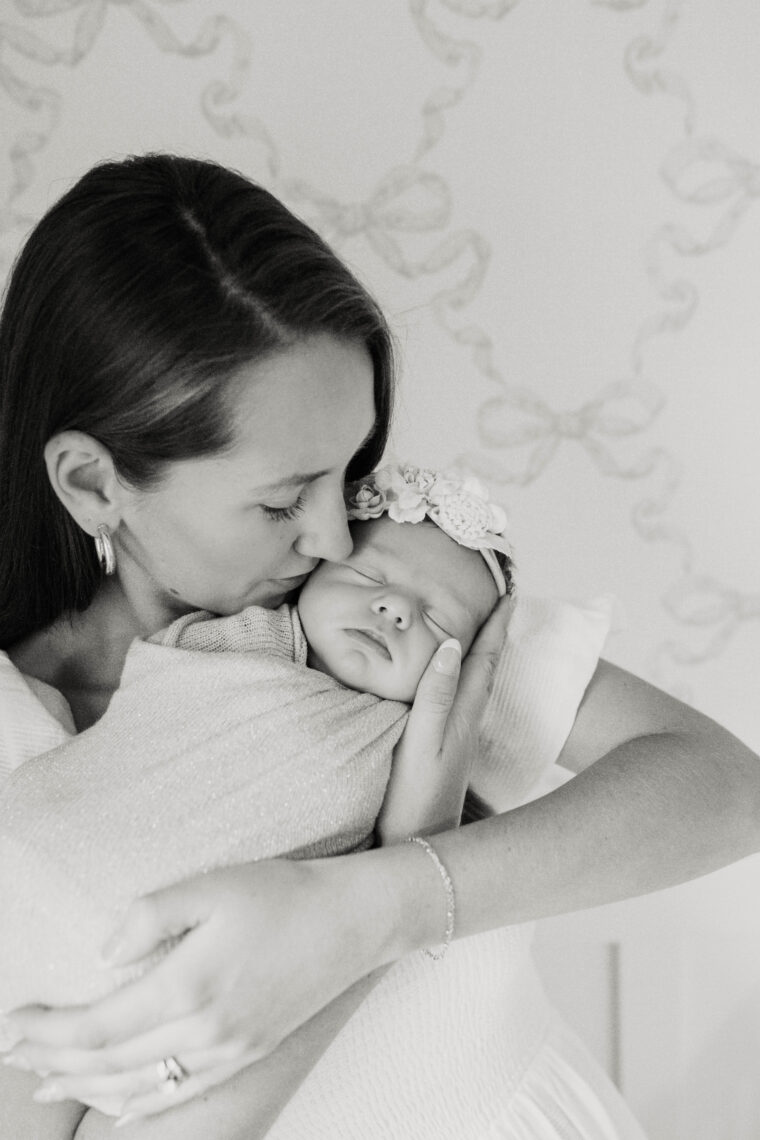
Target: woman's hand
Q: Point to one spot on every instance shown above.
(266, 946)
(433, 759)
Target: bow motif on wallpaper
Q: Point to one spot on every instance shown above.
(705, 172)
(701, 172)
(44, 103)
(406, 200)
(454, 53)
(642, 58)
(621, 409)
(704, 603)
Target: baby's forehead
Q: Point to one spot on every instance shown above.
(400, 542)
(425, 552)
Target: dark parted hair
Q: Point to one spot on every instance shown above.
(133, 303)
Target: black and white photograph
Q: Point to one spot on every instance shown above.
(379, 570)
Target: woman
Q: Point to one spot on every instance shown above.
(200, 374)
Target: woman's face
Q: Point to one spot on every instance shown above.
(227, 531)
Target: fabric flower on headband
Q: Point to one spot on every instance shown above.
(458, 505)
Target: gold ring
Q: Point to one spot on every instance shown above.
(171, 1074)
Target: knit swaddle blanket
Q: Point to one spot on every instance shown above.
(219, 747)
(233, 753)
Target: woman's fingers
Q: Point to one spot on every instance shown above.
(55, 1034)
(158, 1099)
(69, 1066)
(420, 794)
(475, 683)
(112, 1092)
(108, 1093)
(426, 726)
(131, 1027)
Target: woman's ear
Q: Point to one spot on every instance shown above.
(83, 476)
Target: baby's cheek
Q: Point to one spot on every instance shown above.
(468, 635)
(425, 654)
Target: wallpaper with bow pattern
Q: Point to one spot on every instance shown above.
(557, 203)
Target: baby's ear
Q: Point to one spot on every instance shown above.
(82, 474)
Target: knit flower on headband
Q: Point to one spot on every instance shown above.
(458, 505)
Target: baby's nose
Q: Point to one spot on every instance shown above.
(394, 608)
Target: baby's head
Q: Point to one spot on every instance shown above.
(374, 620)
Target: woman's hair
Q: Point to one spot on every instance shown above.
(134, 302)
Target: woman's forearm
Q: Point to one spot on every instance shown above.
(647, 816)
(655, 811)
(246, 1106)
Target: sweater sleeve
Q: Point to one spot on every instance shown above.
(277, 633)
(550, 654)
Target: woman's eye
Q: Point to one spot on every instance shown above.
(282, 514)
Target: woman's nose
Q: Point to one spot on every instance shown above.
(394, 608)
(324, 530)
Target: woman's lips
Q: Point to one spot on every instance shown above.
(370, 639)
(297, 579)
(292, 583)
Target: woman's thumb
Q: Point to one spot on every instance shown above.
(438, 686)
(148, 922)
(448, 657)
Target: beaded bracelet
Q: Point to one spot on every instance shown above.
(448, 886)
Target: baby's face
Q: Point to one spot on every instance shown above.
(374, 621)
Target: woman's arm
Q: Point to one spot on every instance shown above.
(664, 795)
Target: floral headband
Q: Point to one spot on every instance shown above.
(458, 505)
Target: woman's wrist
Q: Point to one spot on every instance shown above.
(398, 903)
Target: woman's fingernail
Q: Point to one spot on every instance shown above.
(46, 1094)
(14, 1061)
(447, 657)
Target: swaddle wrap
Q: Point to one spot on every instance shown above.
(219, 747)
(233, 753)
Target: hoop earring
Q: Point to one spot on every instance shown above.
(104, 550)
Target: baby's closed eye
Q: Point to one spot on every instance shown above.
(439, 623)
(367, 574)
